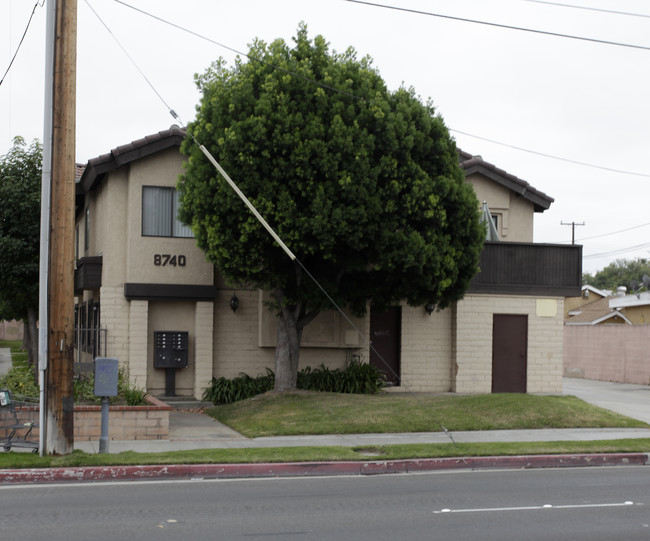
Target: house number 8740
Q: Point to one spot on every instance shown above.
(162, 260)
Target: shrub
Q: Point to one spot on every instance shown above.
(20, 381)
(225, 391)
(358, 377)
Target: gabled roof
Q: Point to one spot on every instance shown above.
(97, 167)
(586, 288)
(88, 176)
(475, 164)
(594, 313)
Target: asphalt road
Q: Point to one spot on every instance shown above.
(569, 504)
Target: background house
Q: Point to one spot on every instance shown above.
(139, 274)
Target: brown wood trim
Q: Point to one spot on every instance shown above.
(169, 292)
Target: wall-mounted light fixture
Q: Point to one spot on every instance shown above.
(430, 307)
(234, 303)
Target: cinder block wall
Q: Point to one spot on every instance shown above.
(115, 319)
(426, 350)
(473, 342)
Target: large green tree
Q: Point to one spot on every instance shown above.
(361, 183)
(20, 210)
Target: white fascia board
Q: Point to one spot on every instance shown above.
(639, 299)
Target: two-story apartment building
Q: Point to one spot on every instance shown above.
(139, 273)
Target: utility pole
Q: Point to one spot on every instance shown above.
(59, 400)
(573, 229)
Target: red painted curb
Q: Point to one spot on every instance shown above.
(298, 469)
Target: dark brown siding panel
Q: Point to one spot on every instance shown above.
(88, 274)
(169, 292)
(513, 268)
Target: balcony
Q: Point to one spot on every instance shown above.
(514, 268)
(88, 274)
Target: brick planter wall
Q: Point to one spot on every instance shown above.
(124, 422)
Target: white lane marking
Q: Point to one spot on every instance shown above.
(535, 507)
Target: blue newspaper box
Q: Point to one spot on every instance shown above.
(106, 376)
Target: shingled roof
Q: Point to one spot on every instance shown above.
(87, 176)
(475, 164)
(596, 312)
(97, 167)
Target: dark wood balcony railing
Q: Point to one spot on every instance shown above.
(514, 268)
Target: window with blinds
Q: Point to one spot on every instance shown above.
(160, 213)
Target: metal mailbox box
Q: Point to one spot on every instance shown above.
(170, 349)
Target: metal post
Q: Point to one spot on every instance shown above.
(103, 438)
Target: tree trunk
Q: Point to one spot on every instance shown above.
(287, 352)
(31, 335)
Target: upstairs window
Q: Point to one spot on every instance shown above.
(87, 229)
(160, 213)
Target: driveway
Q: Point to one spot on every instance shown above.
(625, 398)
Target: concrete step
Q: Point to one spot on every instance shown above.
(184, 402)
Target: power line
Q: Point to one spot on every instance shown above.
(587, 8)
(37, 4)
(551, 156)
(618, 251)
(231, 49)
(333, 89)
(498, 25)
(614, 232)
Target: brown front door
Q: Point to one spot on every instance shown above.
(385, 334)
(509, 353)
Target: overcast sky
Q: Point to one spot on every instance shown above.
(574, 99)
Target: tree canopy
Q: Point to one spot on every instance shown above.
(20, 194)
(363, 184)
(618, 273)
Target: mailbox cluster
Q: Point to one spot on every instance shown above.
(171, 349)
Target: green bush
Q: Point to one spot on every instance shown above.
(357, 378)
(226, 391)
(84, 387)
(20, 381)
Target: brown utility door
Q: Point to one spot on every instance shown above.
(385, 335)
(509, 353)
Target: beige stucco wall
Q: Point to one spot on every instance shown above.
(161, 169)
(515, 213)
(244, 341)
(473, 341)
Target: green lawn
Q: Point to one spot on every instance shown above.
(322, 413)
(298, 413)
(17, 355)
(319, 454)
